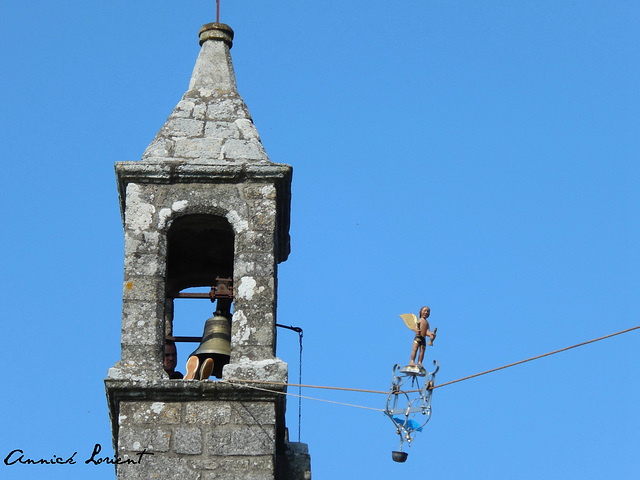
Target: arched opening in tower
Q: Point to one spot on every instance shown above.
(200, 252)
(200, 249)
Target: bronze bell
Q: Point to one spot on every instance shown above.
(215, 343)
(216, 337)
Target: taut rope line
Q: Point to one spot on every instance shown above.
(360, 390)
(538, 357)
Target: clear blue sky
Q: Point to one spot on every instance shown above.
(478, 157)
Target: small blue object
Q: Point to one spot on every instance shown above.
(411, 425)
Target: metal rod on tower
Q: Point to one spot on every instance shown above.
(217, 11)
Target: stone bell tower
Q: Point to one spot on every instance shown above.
(204, 202)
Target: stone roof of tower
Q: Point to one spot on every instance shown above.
(211, 124)
(210, 138)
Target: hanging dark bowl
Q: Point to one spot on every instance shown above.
(399, 456)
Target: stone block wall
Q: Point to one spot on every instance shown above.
(198, 440)
(202, 430)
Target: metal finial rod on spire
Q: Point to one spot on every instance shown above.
(217, 11)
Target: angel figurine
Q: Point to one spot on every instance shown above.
(421, 328)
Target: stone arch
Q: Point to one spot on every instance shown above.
(200, 247)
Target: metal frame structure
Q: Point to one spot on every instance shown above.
(403, 404)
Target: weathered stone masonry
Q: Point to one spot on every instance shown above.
(230, 437)
(206, 184)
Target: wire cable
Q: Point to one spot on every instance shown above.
(309, 398)
(537, 357)
(300, 333)
(248, 383)
(344, 389)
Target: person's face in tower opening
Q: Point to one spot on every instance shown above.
(170, 357)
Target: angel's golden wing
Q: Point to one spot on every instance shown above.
(410, 320)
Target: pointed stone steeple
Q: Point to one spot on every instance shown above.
(210, 137)
(211, 124)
